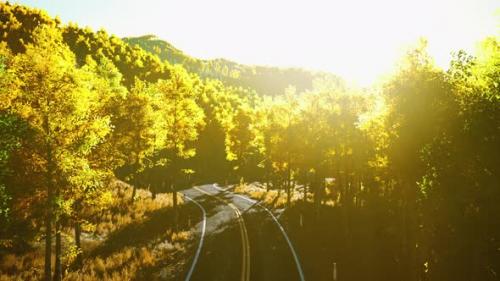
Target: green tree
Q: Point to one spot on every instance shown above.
(183, 119)
(141, 132)
(280, 140)
(210, 160)
(421, 106)
(54, 99)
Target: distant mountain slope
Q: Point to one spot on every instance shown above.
(18, 23)
(142, 57)
(265, 80)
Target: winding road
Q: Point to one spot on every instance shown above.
(239, 239)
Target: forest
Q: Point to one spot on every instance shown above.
(264, 79)
(398, 182)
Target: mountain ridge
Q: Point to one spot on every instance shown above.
(266, 80)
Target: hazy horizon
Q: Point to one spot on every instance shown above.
(366, 38)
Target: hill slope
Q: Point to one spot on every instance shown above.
(142, 57)
(20, 22)
(265, 80)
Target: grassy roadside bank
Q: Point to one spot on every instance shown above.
(127, 241)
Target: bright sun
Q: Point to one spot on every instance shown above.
(357, 39)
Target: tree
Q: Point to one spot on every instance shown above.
(11, 130)
(279, 134)
(421, 106)
(96, 172)
(183, 121)
(54, 99)
(140, 130)
(210, 161)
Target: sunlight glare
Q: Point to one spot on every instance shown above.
(358, 39)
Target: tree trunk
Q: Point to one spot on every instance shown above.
(78, 233)
(48, 215)
(317, 196)
(412, 231)
(58, 266)
(174, 201)
(174, 198)
(409, 230)
(288, 195)
(48, 240)
(305, 192)
(288, 183)
(268, 179)
(134, 189)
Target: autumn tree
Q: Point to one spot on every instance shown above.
(183, 118)
(54, 99)
(210, 161)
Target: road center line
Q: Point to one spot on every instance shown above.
(295, 256)
(245, 265)
(203, 227)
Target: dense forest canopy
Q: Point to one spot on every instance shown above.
(410, 169)
(19, 24)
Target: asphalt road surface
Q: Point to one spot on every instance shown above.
(238, 240)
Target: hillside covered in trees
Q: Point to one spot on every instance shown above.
(99, 137)
(263, 79)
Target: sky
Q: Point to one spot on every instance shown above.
(357, 39)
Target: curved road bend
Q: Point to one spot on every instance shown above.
(245, 245)
(202, 237)
(225, 254)
(271, 254)
(278, 224)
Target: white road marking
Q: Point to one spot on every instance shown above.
(295, 256)
(245, 244)
(203, 227)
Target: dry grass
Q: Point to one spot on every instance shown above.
(126, 264)
(124, 211)
(273, 198)
(21, 267)
(125, 260)
(180, 236)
